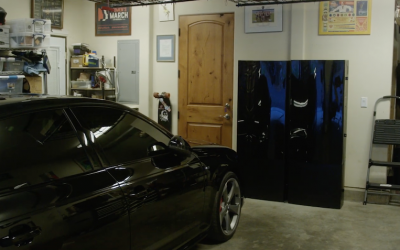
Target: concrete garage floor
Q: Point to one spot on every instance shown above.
(273, 225)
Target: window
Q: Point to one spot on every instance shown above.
(122, 136)
(39, 147)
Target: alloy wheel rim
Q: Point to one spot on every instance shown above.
(229, 210)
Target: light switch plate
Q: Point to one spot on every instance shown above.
(364, 102)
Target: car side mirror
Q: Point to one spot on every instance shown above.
(163, 156)
(157, 148)
(179, 146)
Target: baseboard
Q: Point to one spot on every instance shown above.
(357, 194)
(353, 194)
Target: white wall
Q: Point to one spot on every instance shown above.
(79, 26)
(255, 46)
(370, 57)
(73, 18)
(370, 75)
(16, 9)
(107, 46)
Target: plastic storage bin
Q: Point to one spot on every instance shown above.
(81, 84)
(11, 84)
(29, 40)
(14, 66)
(30, 25)
(4, 36)
(4, 30)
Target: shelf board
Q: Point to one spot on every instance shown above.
(91, 68)
(9, 73)
(383, 186)
(97, 89)
(20, 49)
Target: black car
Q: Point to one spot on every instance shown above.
(80, 173)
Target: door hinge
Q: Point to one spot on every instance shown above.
(179, 32)
(178, 115)
(179, 73)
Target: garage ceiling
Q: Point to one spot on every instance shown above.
(124, 3)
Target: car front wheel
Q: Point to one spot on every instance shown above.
(226, 210)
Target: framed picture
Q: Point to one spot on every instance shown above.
(350, 17)
(166, 12)
(49, 9)
(112, 23)
(166, 48)
(263, 18)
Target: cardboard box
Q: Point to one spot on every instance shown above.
(84, 77)
(35, 83)
(77, 61)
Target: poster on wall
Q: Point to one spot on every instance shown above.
(166, 12)
(266, 18)
(351, 17)
(112, 21)
(49, 9)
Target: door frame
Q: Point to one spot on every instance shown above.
(67, 75)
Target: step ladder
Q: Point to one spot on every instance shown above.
(386, 132)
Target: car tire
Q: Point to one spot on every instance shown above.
(226, 210)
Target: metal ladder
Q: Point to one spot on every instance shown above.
(386, 132)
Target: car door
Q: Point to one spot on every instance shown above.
(53, 192)
(165, 200)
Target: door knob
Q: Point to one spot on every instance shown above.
(227, 105)
(226, 116)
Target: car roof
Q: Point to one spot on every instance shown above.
(25, 102)
(15, 98)
(11, 105)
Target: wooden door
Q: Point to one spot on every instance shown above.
(206, 78)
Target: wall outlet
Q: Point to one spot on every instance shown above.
(364, 102)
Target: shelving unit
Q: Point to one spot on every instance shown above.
(100, 92)
(10, 73)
